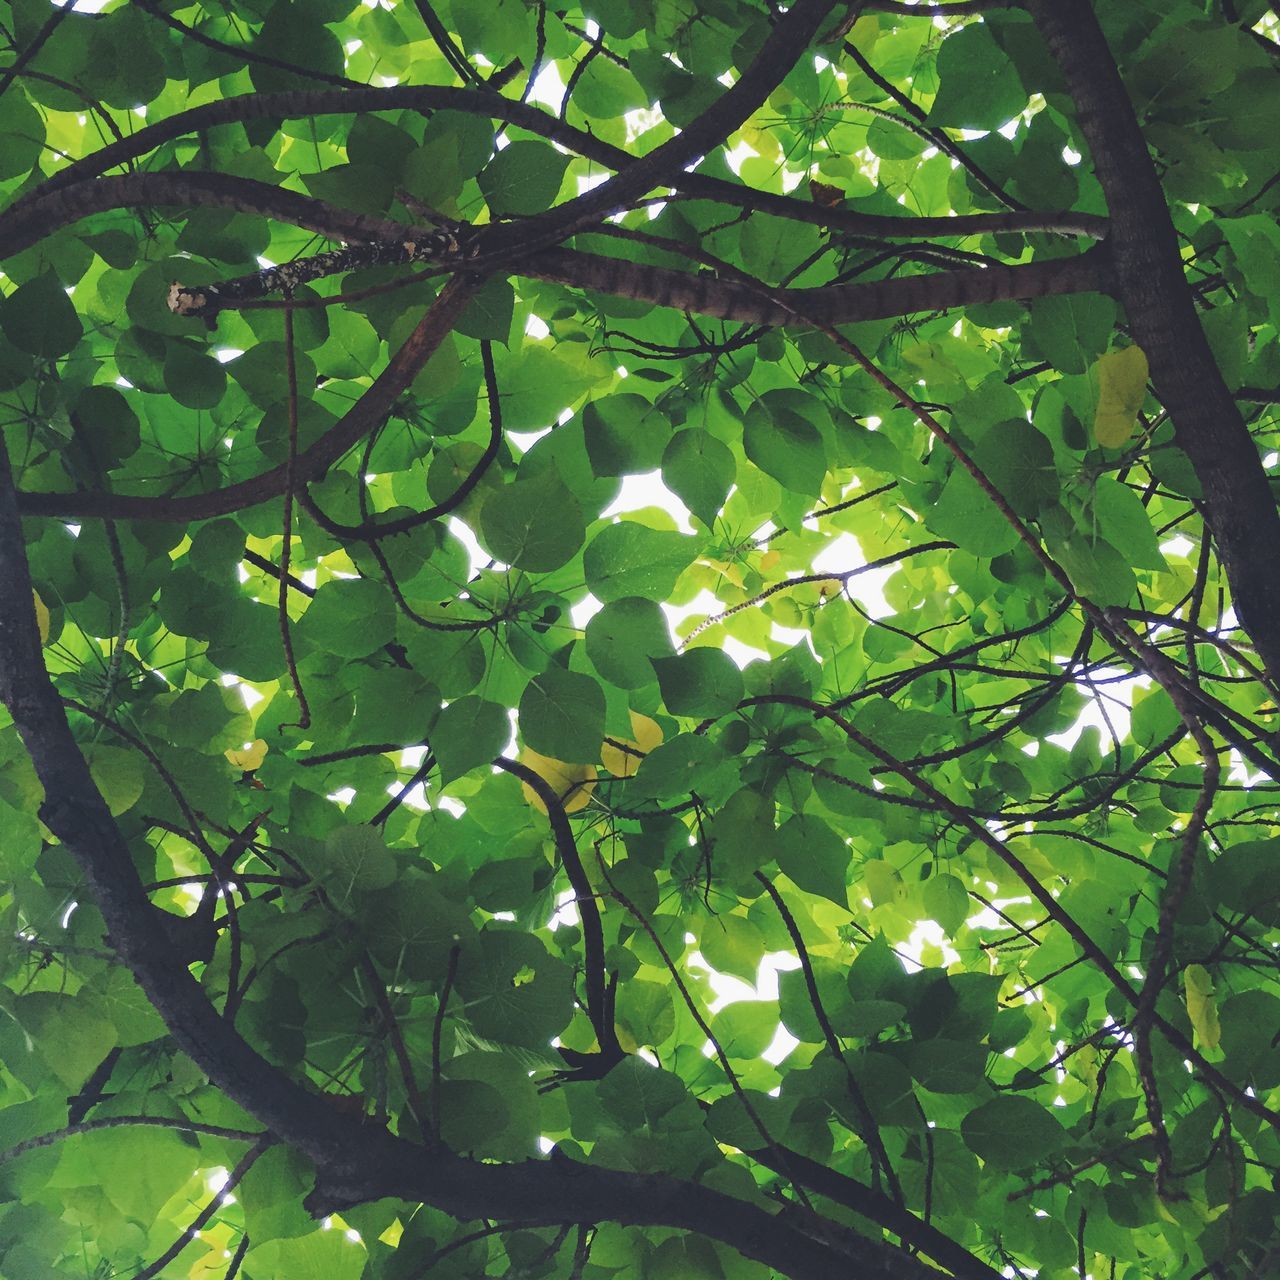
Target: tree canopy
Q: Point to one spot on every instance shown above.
(640, 638)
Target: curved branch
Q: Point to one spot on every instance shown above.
(785, 44)
(30, 221)
(593, 962)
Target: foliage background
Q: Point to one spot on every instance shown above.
(288, 962)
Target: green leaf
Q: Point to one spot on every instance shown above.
(321, 1255)
(628, 559)
(1154, 718)
(699, 470)
(562, 715)
(674, 767)
(639, 1095)
(1019, 461)
(193, 378)
(979, 87)
(623, 637)
(356, 860)
(118, 774)
(488, 314)
(1123, 521)
(38, 317)
(22, 133)
(947, 1066)
(701, 682)
(814, 857)
(785, 446)
(351, 618)
(71, 1033)
(947, 901)
(523, 178)
(1073, 330)
(732, 944)
(535, 524)
(625, 434)
(968, 517)
(1012, 1132)
(467, 733)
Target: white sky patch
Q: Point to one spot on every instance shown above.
(523, 441)
(731, 990)
(1117, 696)
(738, 156)
(586, 609)
(842, 554)
(645, 489)
(468, 540)
(548, 87)
(927, 933)
(566, 910)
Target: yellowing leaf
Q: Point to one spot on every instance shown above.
(213, 1264)
(249, 757)
(1202, 1005)
(42, 617)
(725, 568)
(1122, 385)
(573, 783)
(623, 764)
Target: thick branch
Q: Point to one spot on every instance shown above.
(880, 1209)
(1153, 289)
(427, 98)
(741, 300)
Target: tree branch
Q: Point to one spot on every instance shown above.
(1151, 285)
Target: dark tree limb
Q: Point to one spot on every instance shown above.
(593, 964)
(1150, 283)
(837, 304)
(857, 1196)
